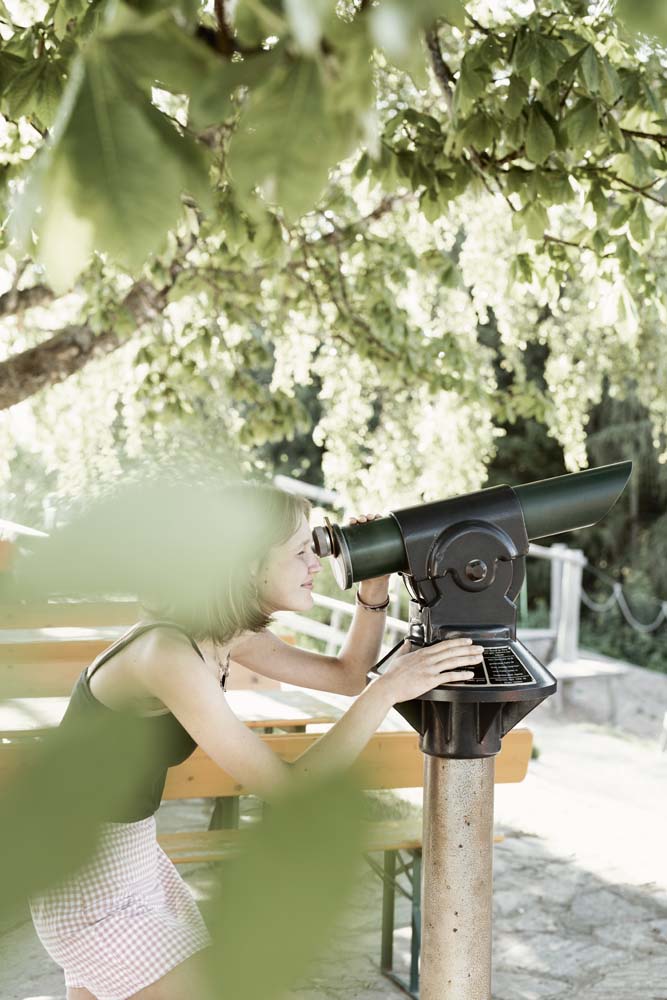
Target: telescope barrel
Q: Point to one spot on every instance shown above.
(567, 503)
(362, 551)
(549, 507)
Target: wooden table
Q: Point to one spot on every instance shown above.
(22, 718)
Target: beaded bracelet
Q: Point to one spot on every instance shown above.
(371, 607)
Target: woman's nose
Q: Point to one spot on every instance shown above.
(315, 565)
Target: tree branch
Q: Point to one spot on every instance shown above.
(67, 351)
(387, 204)
(651, 136)
(17, 301)
(443, 73)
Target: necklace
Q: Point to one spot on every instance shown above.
(223, 671)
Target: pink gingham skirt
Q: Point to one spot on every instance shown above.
(124, 920)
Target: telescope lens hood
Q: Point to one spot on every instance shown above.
(567, 503)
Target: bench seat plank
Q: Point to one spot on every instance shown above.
(30, 717)
(205, 846)
(389, 760)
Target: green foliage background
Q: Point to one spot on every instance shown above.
(402, 249)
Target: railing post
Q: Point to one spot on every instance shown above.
(556, 584)
(335, 621)
(567, 634)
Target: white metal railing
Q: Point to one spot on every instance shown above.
(10, 530)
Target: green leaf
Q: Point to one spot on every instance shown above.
(352, 88)
(112, 179)
(286, 142)
(66, 12)
(621, 215)
(611, 88)
(307, 20)
(553, 187)
(599, 198)
(589, 68)
(516, 179)
(212, 94)
(480, 131)
(430, 206)
(540, 139)
(568, 69)
(155, 50)
(515, 132)
(599, 240)
(522, 269)
(583, 124)
(525, 52)
(35, 92)
(640, 224)
(517, 95)
(633, 166)
(615, 134)
(10, 66)
(548, 56)
(255, 20)
(470, 85)
(533, 218)
(644, 15)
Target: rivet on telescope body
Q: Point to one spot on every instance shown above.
(476, 570)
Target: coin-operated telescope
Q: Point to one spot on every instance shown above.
(463, 563)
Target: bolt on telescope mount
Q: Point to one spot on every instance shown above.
(463, 563)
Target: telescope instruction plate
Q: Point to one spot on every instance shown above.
(501, 668)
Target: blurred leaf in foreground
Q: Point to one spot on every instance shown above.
(54, 795)
(280, 900)
(644, 15)
(112, 175)
(173, 545)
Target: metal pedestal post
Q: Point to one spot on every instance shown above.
(457, 879)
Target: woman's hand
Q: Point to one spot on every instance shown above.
(414, 672)
(372, 591)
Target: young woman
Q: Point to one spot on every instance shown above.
(125, 926)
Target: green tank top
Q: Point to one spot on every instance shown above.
(171, 744)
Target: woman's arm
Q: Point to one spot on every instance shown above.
(166, 667)
(267, 654)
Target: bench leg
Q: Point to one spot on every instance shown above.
(415, 939)
(226, 813)
(388, 903)
(390, 884)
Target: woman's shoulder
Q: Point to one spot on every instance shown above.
(160, 639)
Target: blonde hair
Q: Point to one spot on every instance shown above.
(220, 598)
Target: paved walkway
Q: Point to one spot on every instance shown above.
(580, 880)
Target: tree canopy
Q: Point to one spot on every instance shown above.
(234, 211)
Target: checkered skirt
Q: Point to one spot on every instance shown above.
(124, 920)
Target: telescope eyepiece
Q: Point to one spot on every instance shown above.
(323, 542)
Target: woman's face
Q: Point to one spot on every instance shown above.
(285, 578)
